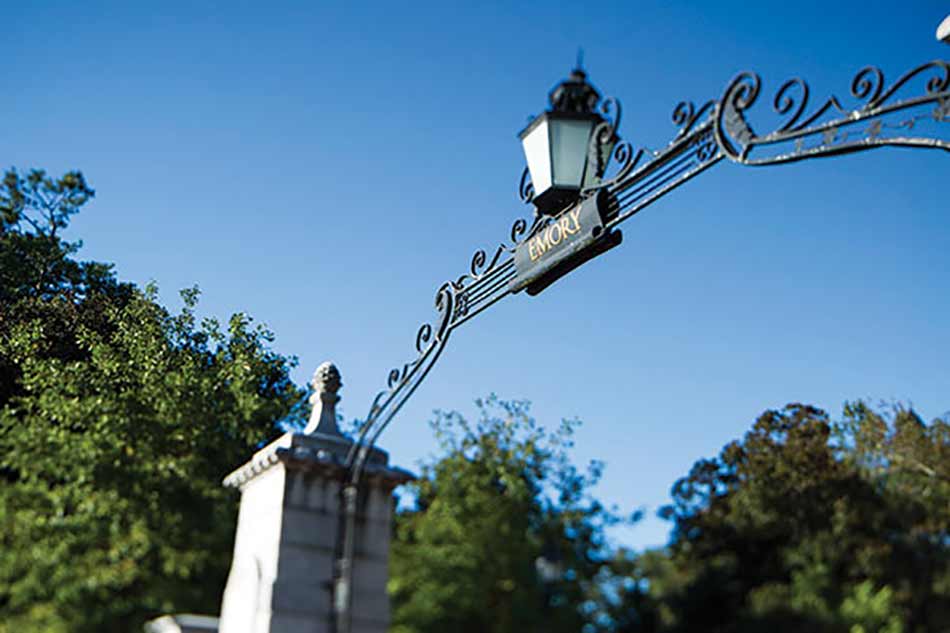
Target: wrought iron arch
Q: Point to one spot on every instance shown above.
(706, 135)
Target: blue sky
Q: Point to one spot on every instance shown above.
(325, 167)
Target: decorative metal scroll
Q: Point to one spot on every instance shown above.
(456, 302)
(830, 129)
(604, 136)
(706, 134)
(635, 186)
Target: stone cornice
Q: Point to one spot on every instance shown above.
(315, 453)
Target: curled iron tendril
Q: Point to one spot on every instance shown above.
(395, 376)
(611, 110)
(518, 229)
(526, 187)
(785, 100)
(706, 148)
(481, 266)
(747, 87)
(427, 337)
(604, 136)
(478, 267)
(627, 160)
(937, 83)
(867, 84)
(685, 115)
(730, 122)
(423, 336)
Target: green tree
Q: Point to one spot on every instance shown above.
(39, 279)
(499, 511)
(811, 525)
(118, 420)
(908, 461)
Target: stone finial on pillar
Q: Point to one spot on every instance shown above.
(326, 383)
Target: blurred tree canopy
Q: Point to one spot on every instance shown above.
(810, 525)
(118, 420)
(503, 535)
(804, 525)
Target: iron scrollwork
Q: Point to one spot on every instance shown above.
(685, 115)
(644, 176)
(706, 134)
(526, 187)
(831, 129)
(604, 136)
(456, 301)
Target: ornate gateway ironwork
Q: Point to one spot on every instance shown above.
(543, 250)
(830, 129)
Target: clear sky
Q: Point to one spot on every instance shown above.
(324, 167)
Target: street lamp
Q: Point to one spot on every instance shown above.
(566, 146)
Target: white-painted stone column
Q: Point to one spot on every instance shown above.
(281, 573)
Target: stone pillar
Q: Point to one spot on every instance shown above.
(284, 550)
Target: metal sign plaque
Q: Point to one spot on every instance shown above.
(568, 240)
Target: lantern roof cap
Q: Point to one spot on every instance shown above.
(575, 94)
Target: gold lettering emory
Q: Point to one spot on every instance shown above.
(555, 233)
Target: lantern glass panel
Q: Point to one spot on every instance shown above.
(537, 153)
(569, 139)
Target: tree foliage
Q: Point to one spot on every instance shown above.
(118, 420)
(806, 524)
(811, 525)
(502, 509)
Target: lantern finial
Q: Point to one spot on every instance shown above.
(575, 94)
